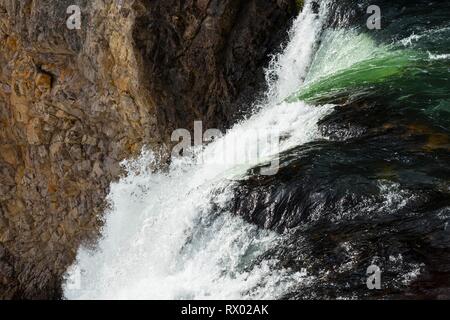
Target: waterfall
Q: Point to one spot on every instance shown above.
(168, 234)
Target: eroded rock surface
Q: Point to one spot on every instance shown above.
(74, 103)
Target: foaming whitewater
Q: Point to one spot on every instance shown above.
(168, 234)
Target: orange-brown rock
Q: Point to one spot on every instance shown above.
(74, 103)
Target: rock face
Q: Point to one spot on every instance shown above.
(74, 103)
(203, 60)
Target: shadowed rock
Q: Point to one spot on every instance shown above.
(74, 103)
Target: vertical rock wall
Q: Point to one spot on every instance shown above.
(74, 103)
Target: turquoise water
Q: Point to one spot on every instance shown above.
(407, 69)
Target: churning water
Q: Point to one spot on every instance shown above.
(373, 183)
(161, 241)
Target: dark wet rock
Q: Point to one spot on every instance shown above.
(375, 192)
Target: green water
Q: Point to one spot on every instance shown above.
(379, 181)
(404, 70)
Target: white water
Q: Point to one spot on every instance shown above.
(338, 46)
(162, 239)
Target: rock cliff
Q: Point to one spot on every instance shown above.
(74, 103)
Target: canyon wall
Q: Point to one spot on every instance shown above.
(74, 103)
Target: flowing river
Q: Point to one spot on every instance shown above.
(362, 177)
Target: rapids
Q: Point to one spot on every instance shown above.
(363, 177)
